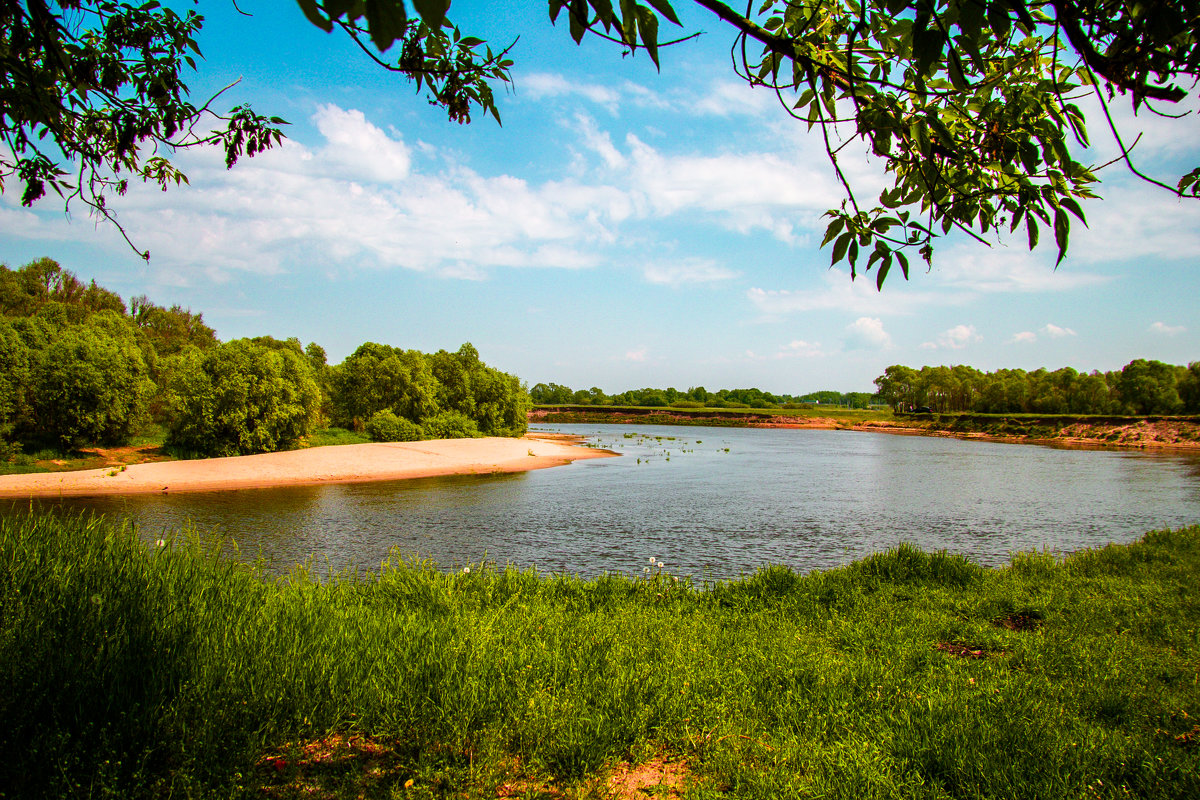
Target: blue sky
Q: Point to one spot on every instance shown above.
(624, 228)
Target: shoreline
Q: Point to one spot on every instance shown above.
(1155, 433)
(351, 463)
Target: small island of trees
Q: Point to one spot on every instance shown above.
(78, 367)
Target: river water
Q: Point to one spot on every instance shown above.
(713, 503)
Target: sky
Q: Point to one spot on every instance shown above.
(624, 227)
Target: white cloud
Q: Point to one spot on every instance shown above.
(1167, 330)
(541, 85)
(956, 338)
(975, 268)
(838, 292)
(746, 191)
(1024, 337)
(727, 98)
(867, 333)
(1055, 332)
(359, 150)
(599, 141)
(802, 349)
(637, 355)
(690, 271)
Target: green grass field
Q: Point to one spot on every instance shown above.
(139, 670)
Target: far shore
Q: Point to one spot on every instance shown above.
(351, 463)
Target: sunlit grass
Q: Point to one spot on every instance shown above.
(141, 670)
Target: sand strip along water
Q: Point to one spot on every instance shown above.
(351, 463)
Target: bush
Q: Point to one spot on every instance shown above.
(385, 426)
(450, 425)
(242, 397)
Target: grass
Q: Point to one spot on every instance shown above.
(144, 671)
(335, 436)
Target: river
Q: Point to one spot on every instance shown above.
(712, 503)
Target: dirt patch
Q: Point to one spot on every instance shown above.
(331, 767)
(1018, 622)
(966, 651)
(661, 777)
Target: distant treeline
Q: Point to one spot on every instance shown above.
(79, 367)
(695, 397)
(1140, 388)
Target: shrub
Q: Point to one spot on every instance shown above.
(385, 426)
(450, 425)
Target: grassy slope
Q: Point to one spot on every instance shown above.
(143, 671)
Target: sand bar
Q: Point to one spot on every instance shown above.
(351, 463)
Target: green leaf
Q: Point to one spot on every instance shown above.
(313, 12)
(1062, 232)
(433, 12)
(386, 21)
(839, 249)
(1032, 228)
(648, 23)
(664, 8)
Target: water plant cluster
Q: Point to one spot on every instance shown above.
(162, 668)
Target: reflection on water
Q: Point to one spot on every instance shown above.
(715, 502)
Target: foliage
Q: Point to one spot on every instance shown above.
(415, 386)
(1141, 388)
(152, 671)
(242, 397)
(695, 397)
(450, 425)
(89, 383)
(975, 109)
(385, 426)
(93, 91)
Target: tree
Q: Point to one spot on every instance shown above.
(242, 397)
(89, 383)
(972, 106)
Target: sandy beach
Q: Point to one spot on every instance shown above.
(353, 463)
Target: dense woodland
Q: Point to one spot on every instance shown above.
(553, 394)
(78, 367)
(1140, 388)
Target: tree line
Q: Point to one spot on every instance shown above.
(554, 394)
(1141, 388)
(79, 367)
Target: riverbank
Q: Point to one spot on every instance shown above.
(1176, 433)
(145, 672)
(352, 463)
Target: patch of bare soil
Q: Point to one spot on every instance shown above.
(661, 777)
(328, 768)
(1018, 622)
(965, 651)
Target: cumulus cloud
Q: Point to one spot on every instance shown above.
(801, 349)
(838, 292)
(867, 333)
(637, 355)
(955, 338)
(1055, 332)
(728, 98)
(1024, 337)
(689, 271)
(1167, 330)
(541, 85)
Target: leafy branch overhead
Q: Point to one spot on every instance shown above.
(93, 92)
(976, 108)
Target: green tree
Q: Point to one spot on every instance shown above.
(1149, 387)
(89, 383)
(241, 397)
(377, 377)
(972, 107)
